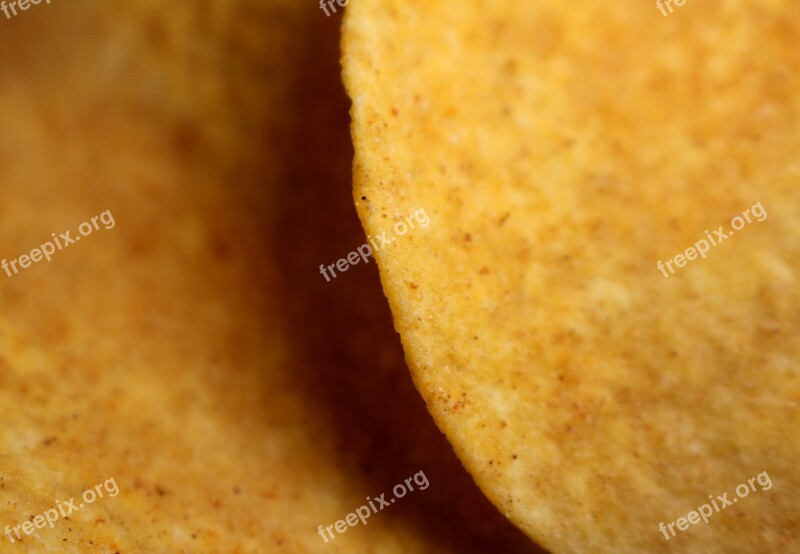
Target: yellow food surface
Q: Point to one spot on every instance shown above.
(561, 151)
(192, 352)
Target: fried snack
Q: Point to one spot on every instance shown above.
(562, 152)
(192, 353)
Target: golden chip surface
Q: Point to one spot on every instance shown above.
(603, 314)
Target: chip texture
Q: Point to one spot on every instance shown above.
(562, 151)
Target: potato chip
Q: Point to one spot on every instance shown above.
(564, 154)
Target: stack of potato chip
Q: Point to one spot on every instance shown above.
(580, 399)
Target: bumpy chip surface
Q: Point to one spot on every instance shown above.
(561, 151)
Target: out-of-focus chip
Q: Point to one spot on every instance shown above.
(605, 358)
